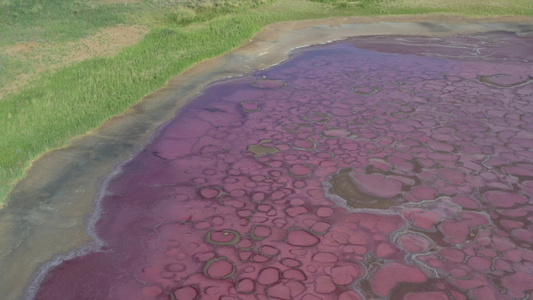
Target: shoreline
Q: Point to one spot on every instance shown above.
(47, 213)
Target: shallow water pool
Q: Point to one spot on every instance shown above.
(383, 167)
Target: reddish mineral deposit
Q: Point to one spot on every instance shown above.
(381, 167)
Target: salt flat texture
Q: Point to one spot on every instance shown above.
(382, 167)
(46, 217)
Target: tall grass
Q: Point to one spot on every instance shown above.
(77, 99)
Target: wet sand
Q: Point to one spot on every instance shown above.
(47, 212)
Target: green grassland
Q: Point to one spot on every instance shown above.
(60, 104)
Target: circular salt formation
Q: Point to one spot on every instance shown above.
(268, 251)
(303, 144)
(324, 285)
(299, 128)
(336, 133)
(480, 263)
(324, 212)
(245, 244)
(365, 90)
(250, 106)
(223, 237)
(344, 275)
(219, 268)
(384, 250)
(294, 274)
(260, 258)
(325, 257)
(300, 170)
(291, 262)
(259, 232)
(151, 291)
(268, 276)
(298, 237)
(423, 192)
(186, 293)
(244, 255)
(175, 267)
(286, 290)
(209, 193)
(316, 117)
(320, 228)
(504, 199)
(246, 286)
(402, 128)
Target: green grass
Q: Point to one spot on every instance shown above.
(460, 7)
(55, 20)
(78, 98)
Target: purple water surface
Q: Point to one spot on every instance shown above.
(378, 167)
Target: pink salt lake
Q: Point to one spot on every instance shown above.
(373, 168)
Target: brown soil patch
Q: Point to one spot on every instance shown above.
(104, 43)
(107, 42)
(21, 48)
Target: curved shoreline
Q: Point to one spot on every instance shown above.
(48, 210)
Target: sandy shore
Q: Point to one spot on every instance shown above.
(47, 213)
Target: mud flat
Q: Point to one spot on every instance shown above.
(49, 211)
